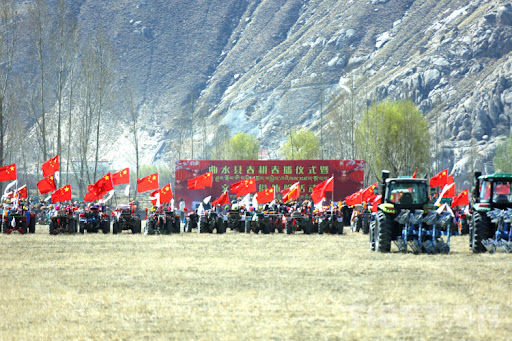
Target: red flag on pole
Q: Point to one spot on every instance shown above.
(201, 181)
(369, 192)
(147, 183)
(319, 190)
(263, 197)
(450, 193)
(440, 179)
(243, 187)
(414, 174)
(46, 185)
(122, 177)
(51, 166)
(103, 185)
(62, 194)
(222, 200)
(462, 199)
(165, 194)
(292, 192)
(8, 173)
(91, 196)
(354, 198)
(375, 203)
(21, 193)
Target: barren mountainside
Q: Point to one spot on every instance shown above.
(266, 66)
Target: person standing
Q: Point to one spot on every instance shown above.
(182, 210)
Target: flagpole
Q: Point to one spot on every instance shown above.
(332, 194)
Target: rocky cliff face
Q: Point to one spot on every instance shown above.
(263, 66)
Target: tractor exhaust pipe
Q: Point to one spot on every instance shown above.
(476, 190)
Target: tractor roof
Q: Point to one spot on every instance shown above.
(406, 180)
(496, 176)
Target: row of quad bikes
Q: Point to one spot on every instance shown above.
(265, 223)
(412, 224)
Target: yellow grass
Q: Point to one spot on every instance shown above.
(246, 287)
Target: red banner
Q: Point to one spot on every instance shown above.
(348, 176)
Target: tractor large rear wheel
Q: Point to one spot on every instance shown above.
(382, 232)
(480, 231)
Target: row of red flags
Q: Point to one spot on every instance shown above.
(248, 186)
(442, 179)
(241, 188)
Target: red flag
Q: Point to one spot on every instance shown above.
(462, 199)
(103, 185)
(62, 194)
(21, 193)
(243, 187)
(46, 185)
(292, 192)
(166, 194)
(147, 183)
(319, 190)
(122, 177)
(440, 179)
(91, 196)
(369, 192)
(201, 181)
(266, 196)
(414, 174)
(8, 173)
(222, 200)
(354, 198)
(450, 193)
(375, 203)
(51, 166)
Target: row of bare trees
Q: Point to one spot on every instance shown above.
(57, 91)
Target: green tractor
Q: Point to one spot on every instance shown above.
(491, 220)
(406, 217)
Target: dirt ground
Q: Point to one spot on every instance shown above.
(246, 287)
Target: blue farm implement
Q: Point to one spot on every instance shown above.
(502, 237)
(424, 233)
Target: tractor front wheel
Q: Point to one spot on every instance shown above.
(382, 232)
(479, 232)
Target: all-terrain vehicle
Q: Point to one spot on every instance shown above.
(18, 220)
(330, 223)
(298, 222)
(63, 222)
(191, 222)
(125, 218)
(406, 217)
(94, 219)
(211, 221)
(161, 221)
(490, 227)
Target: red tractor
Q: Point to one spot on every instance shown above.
(18, 220)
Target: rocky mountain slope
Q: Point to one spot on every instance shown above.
(264, 66)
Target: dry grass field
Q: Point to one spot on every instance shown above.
(246, 287)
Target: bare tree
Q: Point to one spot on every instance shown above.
(8, 40)
(102, 59)
(64, 39)
(132, 110)
(39, 28)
